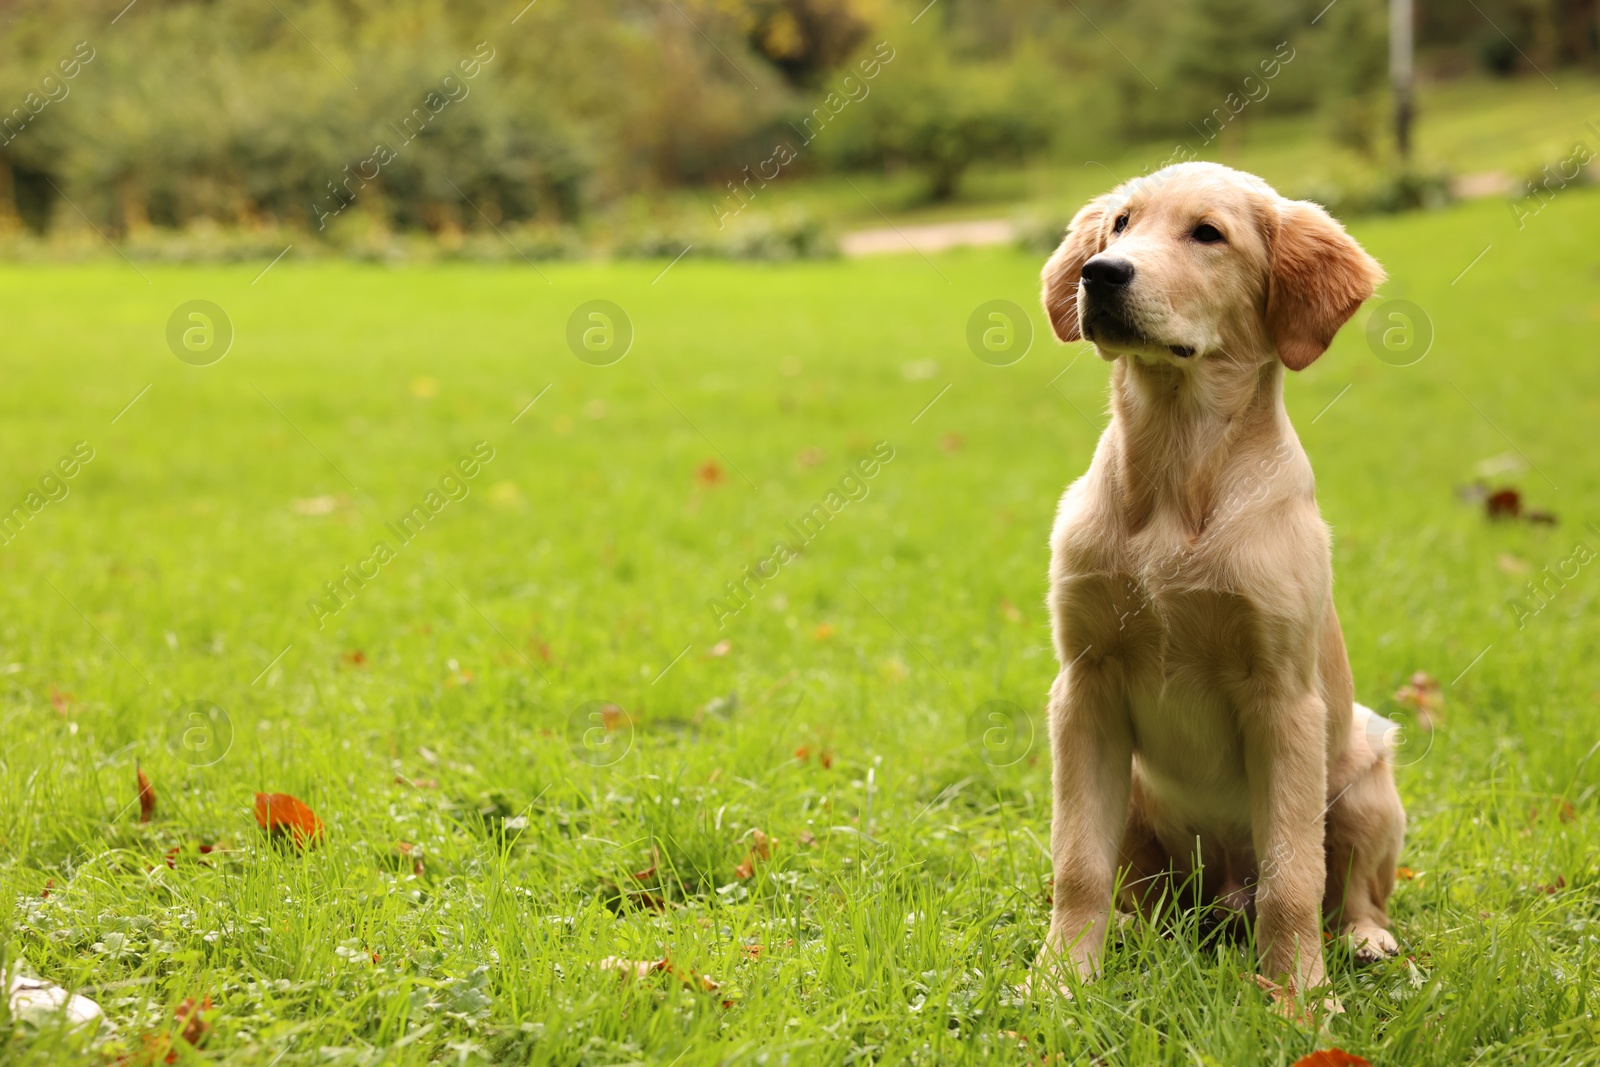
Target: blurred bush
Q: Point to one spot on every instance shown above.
(206, 128)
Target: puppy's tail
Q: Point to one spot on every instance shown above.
(1383, 736)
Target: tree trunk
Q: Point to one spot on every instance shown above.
(10, 221)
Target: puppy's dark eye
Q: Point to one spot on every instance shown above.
(1120, 225)
(1207, 234)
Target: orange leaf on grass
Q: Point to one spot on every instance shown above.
(147, 795)
(760, 849)
(280, 813)
(60, 701)
(195, 1026)
(710, 473)
(1331, 1057)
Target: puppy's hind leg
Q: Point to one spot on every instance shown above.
(1366, 826)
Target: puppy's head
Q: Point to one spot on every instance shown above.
(1199, 261)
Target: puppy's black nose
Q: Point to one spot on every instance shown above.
(1109, 272)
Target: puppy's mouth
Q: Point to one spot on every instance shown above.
(1112, 330)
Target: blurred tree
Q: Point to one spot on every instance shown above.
(805, 39)
(940, 115)
(1357, 72)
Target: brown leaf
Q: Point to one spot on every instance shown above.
(1331, 1057)
(1540, 517)
(280, 813)
(807, 838)
(632, 968)
(760, 849)
(710, 473)
(1557, 886)
(195, 1027)
(357, 658)
(1422, 695)
(147, 795)
(60, 701)
(1503, 504)
(753, 952)
(952, 441)
(614, 718)
(1285, 1001)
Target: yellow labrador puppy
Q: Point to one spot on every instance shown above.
(1203, 723)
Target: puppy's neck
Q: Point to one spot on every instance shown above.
(1180, 431)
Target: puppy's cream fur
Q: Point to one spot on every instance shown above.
(1203, 721)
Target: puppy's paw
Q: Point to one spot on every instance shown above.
(1043, 982)
(1370, 943)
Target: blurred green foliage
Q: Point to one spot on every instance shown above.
(288, 114)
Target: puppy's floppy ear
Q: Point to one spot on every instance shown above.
(1319, 277)
(1086, 236)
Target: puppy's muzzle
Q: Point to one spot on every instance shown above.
(1106, 281)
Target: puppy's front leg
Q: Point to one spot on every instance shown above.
(1285, 751)
(1092, 749)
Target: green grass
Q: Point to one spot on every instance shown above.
(906, 892)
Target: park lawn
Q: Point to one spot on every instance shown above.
(491, 852)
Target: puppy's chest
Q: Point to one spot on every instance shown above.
(1182, 657)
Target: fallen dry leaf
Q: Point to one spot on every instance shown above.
(1422, 695)
(1557, 886)
(1285, 1001)
(356, 658)
(195, 1027)
(280, 813)
(807, 838)
(1405, 874)
(147, 795)
(760, 849)
(407, 851)
(1503, 504)
(1331, 1057)
(710, 473)
(60, 701)
(1564, 811)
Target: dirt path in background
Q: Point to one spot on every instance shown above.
(938, 236)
